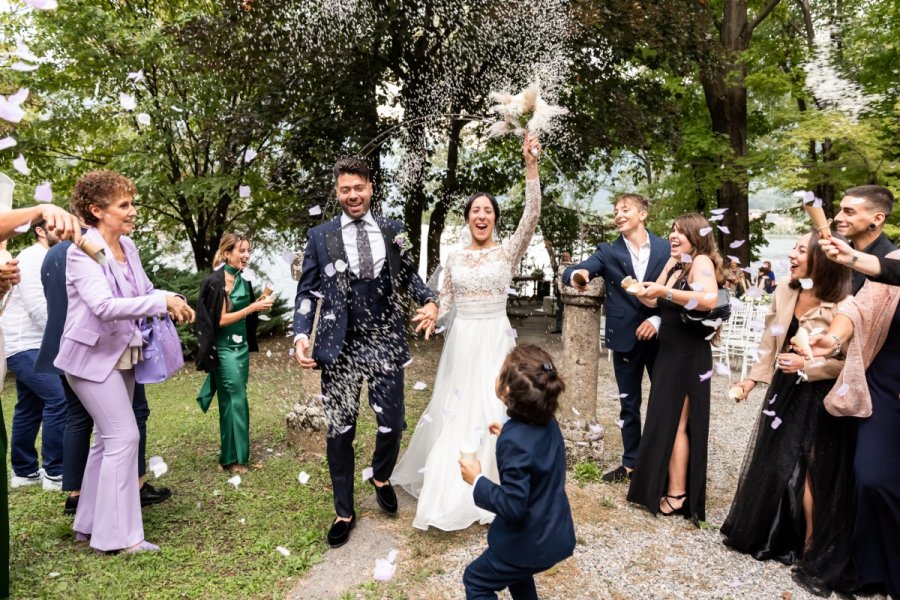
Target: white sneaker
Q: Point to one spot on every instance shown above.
(33, 479)
(52, 483)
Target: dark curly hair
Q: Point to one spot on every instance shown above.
(530, 385)
(99, 188)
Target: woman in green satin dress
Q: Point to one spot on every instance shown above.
(226, 334)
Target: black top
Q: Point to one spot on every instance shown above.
(890, 271)
(881, 247)
(209, 312)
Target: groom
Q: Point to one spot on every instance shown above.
(358, 265)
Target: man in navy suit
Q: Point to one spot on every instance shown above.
(631, 327)
(359, 266)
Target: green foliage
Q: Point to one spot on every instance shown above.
(587, 472)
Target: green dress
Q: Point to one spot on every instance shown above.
(229, 380)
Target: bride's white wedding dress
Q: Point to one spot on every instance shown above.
(464, 401)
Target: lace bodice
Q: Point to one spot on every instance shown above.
(483, 276)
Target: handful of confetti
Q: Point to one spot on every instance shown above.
(631, 285)
(736, 393)
(93, 250)
(801, 342)
(525, 107)
(813, 207)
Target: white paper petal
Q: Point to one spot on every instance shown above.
(377, 409)
(315, 211)
(620, 423)
(7, 142)
(724, 229)
(705, 231)
(736, 244)
(23, 67)
(43, 193)
(367, 473)
(806, 283)
(264, 317)
(237, 338)
(305, 306)
(235, 481)
(383, 429)
(144, 119)
(776, 422)
(723, 369)
(330, 270)
(249, 154)
(705, 376)
(420, 385)
(575, 410)
(135, 76)
(283, 551)
(687, 258)
(269, 353)
(303, 477)
(340, 266)
(42, 4)
(20, 165)
(127, 101)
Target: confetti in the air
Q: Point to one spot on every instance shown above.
(7, 142)
(736, 244)
(724, 229)
(315, 211)
(776, 422)
(244, 191)
(144, 119)
(127, 101)
(704, 231)
(806, 283)
(706, 376)
(249, 154)
(20, 165)
(43, 193)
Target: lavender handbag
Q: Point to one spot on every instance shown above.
(162, 352)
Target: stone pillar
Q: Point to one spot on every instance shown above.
(580, 366)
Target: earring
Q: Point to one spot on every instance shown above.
(872, 227)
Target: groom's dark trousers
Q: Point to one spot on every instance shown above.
(370, 353)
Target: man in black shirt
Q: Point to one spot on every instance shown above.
(864, 209)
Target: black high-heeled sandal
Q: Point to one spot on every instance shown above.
(675, 511)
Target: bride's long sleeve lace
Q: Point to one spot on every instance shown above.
(445, 297)
(518, 243)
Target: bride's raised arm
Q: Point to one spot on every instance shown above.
(518, 243)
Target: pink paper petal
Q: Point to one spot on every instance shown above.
(20, 165)
(43, 193)
(776, 422)
(705, 231)
(736, 244)
(724, 229)
(705, 376)
(7, 142)
(734, 258)
(244, 191)
(687, 258)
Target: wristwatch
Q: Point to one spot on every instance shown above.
(669, 295)
(854, 258)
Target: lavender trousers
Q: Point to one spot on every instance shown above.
(109, 509)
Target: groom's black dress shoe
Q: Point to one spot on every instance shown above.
(340, 531)
(386, 497)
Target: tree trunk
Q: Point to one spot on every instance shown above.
(448, 195)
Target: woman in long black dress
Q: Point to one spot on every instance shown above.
(798, 465)
(670, 473)
(869, 333)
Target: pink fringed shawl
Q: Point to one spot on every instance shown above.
(871, 311)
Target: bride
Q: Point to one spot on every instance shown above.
(476, 280)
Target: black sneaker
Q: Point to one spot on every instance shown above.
(617, 475)
(151, 495)
(71, 505)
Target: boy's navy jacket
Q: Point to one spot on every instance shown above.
(533, 527)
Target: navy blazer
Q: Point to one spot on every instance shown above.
(53, 278)
(624, 313)
(533, 528)
(324, 245)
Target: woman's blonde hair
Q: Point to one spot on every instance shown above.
(228, 243)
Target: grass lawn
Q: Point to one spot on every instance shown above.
(217, 541)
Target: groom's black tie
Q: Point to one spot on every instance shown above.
(366, 264)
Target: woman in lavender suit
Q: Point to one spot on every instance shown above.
(101, 345)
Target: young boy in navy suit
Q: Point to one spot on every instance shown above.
(533, 529)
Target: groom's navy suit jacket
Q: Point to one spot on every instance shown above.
(325, 245)
(624, 313)
(533, 529)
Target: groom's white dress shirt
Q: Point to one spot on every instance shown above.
(376, 241)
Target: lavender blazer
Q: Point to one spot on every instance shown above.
(101, 319)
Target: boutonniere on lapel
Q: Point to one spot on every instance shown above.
(402, 242)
